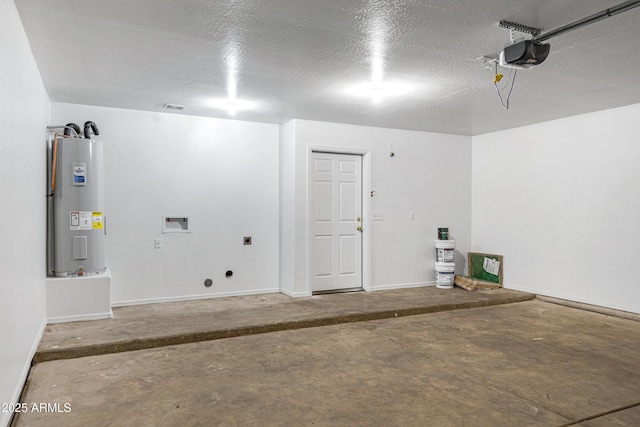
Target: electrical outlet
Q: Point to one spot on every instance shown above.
(377, 215)
(158, 243)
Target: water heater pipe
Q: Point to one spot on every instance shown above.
(66, 127)
(74, 127)
(54, 162)
(88, 127)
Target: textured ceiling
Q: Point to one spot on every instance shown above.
(311, 59)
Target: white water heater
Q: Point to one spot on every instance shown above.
(77, 221)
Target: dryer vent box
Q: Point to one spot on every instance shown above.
(175, 224)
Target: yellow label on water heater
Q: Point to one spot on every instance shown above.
(96, 220)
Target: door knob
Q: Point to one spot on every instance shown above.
(359, 228)
(358, 219)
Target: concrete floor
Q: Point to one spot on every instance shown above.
(155, 325)
(529, 363)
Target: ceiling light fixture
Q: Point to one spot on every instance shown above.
(377, 92)
(232, 106)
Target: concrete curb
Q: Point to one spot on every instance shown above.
(199, 336)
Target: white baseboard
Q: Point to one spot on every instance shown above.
(81, 317)
(195, 297)
(598, 303)
(401, 286)
(5, 418)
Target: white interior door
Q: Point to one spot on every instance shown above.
(335, 221)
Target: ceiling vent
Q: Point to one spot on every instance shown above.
(170, 106)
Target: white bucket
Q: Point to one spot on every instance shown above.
(445, 250)
(445, 272)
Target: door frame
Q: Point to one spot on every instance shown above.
(366, 208)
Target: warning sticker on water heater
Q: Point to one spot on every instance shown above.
(79, 173)
(81, 220)
(96, 220)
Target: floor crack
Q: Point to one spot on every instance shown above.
(601, 414)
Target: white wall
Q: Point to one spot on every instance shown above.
(223, 173)
(429, 175)
(24, 112)
(560, 201)
(287, 209)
